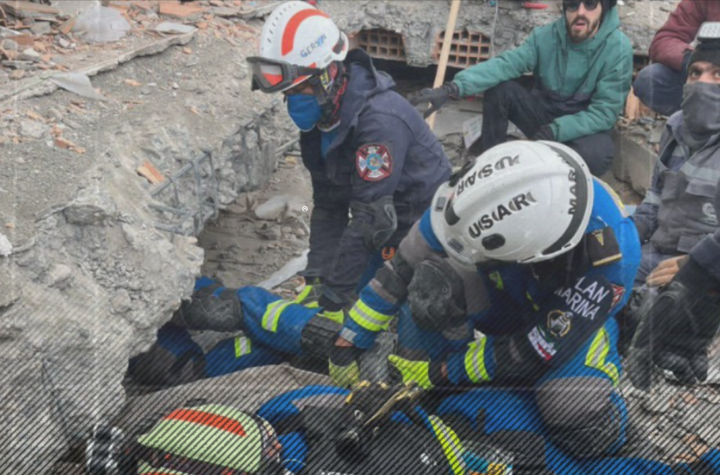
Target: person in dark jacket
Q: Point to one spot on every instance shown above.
(677, 327)
(582, 64)
(660, 85)
(374, 162)
(678, 210)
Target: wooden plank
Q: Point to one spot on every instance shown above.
(632, 106)
(445, 53)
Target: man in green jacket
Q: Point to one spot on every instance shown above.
(582, 65)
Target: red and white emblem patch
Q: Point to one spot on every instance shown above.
(373, 162)
(618, 294)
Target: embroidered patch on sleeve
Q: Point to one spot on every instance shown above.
(373, 162)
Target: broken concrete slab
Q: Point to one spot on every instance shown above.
(101, 25)
(42, 84)
(633, 163)
(33, 129)
(23, 9)
(174, 28)
(73, 7)
(77, 83)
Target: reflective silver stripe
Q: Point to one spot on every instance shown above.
(706, 174)
(272, 315)
(243, 346)
(652, 198)
(450, 443)
(365, 320)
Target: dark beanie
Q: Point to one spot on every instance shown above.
(708, 50)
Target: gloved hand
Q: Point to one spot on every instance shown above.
(413, 371)
(343, 365)
(545, 133)
(436, 98)
(173, 359)
(676, 329)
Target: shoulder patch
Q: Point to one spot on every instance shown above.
(602, 247)
(373, 162)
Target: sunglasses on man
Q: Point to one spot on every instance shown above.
(574, 5)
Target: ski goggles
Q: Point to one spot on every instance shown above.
(574, 5)
(270, 75)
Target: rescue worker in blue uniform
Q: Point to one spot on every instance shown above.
(375, 166)
(555, 252)
(318, 430)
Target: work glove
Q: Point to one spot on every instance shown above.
(213, 308)
(343, 365)
(545, 133)
(412, 371)
(436, 98)
(676, 328)
(173, 359)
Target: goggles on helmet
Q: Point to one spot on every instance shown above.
(269, 75)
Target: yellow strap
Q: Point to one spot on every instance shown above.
(475, 361)
(368, 318)
(271, 317)
(243, 346)
(451, 445)
(534, 305)
(597, 354)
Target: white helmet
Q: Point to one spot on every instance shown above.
(518, 202)
(297, 42)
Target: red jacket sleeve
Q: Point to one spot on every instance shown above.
(674, 38)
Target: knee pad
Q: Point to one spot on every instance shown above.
(376, 222)
(212, 308)
(436, 296)
(583, 415)
(318, 336)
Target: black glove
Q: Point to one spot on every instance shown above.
(676, 329)
(436, 98)
(545, 133)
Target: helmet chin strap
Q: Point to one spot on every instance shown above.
(328, 89)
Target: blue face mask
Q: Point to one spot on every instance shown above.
(304, 110)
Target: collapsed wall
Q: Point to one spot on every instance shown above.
(93, 271)
(412, 31)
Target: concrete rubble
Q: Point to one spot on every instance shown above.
(97, 245)
(86, 271)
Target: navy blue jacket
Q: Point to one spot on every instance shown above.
(373, 119)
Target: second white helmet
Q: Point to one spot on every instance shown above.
(519, 202)
(297, 42)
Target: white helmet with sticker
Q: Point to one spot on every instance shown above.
(518, 202)
(297, 41)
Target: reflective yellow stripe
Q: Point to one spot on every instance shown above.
(497, 279)
(614, 196)
(243, 346)
(534, 305)
(597, 354)
(338, 317)
(368, 318)
(304, 294)
(475, 361)
(271, 318)
(451, 445)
